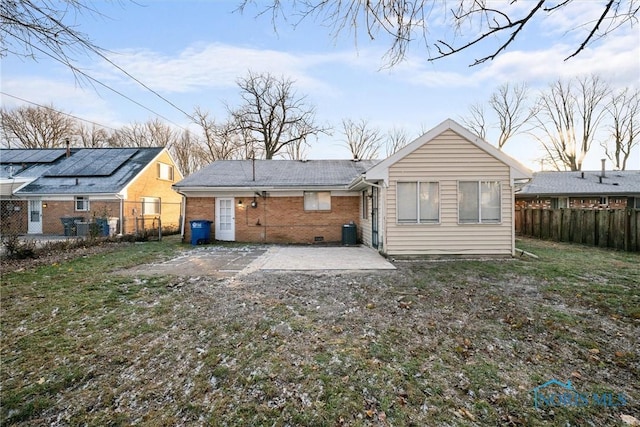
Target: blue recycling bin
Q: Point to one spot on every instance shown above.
(200, 231)
(103, 226)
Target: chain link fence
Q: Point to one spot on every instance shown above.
(147, 219)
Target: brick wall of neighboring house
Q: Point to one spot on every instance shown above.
(148, 184)
(56, 209)
(587, 202)
(280, 219)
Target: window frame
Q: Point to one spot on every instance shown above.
(365, 204)
(166, 167)
(418, 213)
(145, 201)
(317, 194)
(479, 188)
(86, 205)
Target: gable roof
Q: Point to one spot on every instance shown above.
(381, 170)
(228, 174)
(582, 184)
(91, 171)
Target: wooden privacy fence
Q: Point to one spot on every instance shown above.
(615, 228)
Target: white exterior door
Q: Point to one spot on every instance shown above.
(225, 219)
(35, 217)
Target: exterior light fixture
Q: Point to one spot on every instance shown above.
(239, 202)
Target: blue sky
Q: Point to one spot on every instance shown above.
(192, 52)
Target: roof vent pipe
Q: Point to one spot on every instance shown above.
(603, 174)
(68, 147)
(582, 175)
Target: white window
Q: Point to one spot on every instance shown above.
(150, 206)
(81, 203)
(479, 202)
(165, 171)
(418, 203)
(317, 200)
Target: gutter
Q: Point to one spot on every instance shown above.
(183, 212)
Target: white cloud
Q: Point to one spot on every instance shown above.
(69, 98)
(217, 66)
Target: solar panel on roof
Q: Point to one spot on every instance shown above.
(30, 156)
(92, 162)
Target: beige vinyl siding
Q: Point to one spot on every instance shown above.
(448, 159)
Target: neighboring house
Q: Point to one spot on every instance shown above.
(19, 167)
(447, 192)
(582, 189)
(278, 201)
(129, 186)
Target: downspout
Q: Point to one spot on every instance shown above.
(183, 213)
(121, 219)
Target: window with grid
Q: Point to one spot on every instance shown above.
(81, 203)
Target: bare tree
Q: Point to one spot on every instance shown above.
(223, 141)
(45, 28)
(567, 116)
(403, 22)
(188, 153)
(624, 112)
(36, 127)
(508, 106)
(152, 133)
(476, 121)
(362, 140)
(273, 116)
(92, 136)
(396, 139)
(297, 151)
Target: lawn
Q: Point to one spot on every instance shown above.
(454, 342)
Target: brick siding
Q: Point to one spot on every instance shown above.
(280, 219)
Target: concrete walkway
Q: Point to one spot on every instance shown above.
(225, 261)
(324, 258)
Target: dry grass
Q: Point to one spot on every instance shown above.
(433, 343)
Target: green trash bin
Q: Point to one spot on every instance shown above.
(349, 234)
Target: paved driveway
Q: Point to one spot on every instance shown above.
(226, 261)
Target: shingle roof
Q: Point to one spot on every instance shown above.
(103, 171)
(277, 173)
(582, 183)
